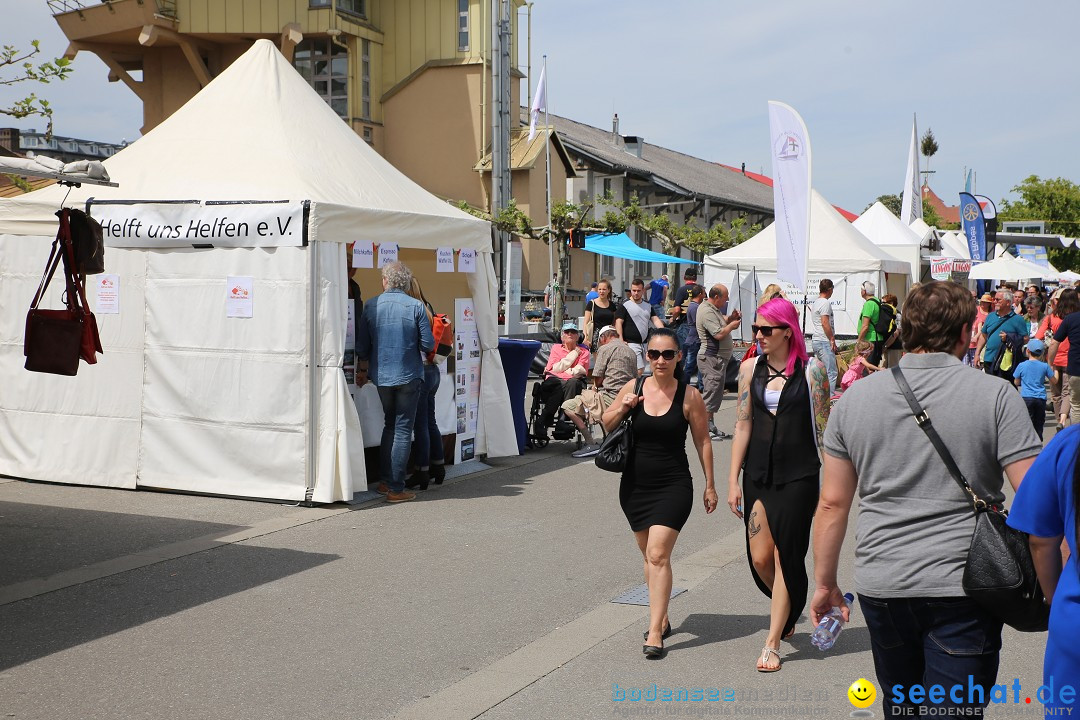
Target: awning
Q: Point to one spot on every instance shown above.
(621, 246)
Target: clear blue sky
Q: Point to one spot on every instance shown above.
(994, 80)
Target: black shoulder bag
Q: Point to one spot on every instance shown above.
(616, 445)
(999, 574)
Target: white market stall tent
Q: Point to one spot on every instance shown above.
(186, 397)
(837, 251)
(898, 240)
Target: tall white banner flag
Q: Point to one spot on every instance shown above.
(791, 192)
(539, 103)
(911, 209)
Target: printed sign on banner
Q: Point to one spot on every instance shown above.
(158, 225)
(387, 253)
(950, 269)
(363, 254)
(467, 376)
(108, 295)
(444, 259)
(467, 260)
(349, 364)
(239, 296)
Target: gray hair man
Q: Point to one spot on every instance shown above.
(616, 365)
(394, 332)
(717, 346)
(915, 523)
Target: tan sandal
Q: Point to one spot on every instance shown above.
(765, 652)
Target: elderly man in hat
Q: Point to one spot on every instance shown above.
(616, 365)
(564, 376)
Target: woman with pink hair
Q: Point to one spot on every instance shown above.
(782, 408)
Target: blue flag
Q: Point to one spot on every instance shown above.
(971, 216)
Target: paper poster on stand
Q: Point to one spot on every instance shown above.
(387, 254)
(108, 295)
(444, 259)
(467, 260)
(349, 365)
(239, 296)
(363, 255)
(466, 379)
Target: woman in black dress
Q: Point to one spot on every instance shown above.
(599, 313)
(783, 405)
(656, 492)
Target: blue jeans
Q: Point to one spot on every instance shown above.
(689, 353)
(823, 352)
(427, 447)
(399, 411)
(932, 641)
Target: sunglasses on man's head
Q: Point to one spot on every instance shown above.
(766, 330)
(657, 354)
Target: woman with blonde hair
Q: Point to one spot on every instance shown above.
(427, 449)
(782, 409)
(771, 292)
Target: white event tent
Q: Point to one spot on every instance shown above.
(891, 235)
(184, 397)
(837, 251)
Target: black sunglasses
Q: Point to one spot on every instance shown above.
(766, 330)
(657, 354)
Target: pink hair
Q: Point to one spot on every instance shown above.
(779, 311)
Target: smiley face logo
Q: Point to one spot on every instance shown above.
(862, 693)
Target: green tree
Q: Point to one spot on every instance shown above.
(1055, 201)
(929, 146)
(16, 67)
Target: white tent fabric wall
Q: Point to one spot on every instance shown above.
(185, 398)
(886, 231)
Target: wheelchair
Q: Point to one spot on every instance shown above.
(563, 428)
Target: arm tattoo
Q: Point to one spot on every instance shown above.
(743, 403)
(754, 527)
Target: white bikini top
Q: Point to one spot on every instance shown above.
(772, 400)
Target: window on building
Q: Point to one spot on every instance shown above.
(356, 7)
(607, 266)
(365, 79)
(607, 186)
(463, 26)
(325, 65)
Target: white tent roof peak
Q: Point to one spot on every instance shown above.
(919, 226)
(835, 246)
(259, 131)
(884, 228)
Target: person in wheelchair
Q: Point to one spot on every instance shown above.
(616, 365)
(564, 377)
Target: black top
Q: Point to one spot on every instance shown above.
(358, 310)
(630, 331)
(658, 453)
(601, 316)
(782, 447)
(681, 294)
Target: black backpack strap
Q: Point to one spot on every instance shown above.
(923, 421)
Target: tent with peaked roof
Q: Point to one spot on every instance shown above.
(838, 251)
(891, 235)
(186, 397)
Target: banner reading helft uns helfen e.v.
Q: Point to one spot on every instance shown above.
(187, 224)
(791, 192)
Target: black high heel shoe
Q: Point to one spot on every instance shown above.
(664, 636)
(653, 652)
(420, 479)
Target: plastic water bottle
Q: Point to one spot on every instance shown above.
(829, 627)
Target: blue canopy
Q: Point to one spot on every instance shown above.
(621, 246)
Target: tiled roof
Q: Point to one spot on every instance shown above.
(766, 180)
(682, 173)
(948, 213)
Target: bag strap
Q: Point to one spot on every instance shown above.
(76, 283)
(923, 421)
(629, 419)
(50, 269)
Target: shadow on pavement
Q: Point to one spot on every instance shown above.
(56, 621)
(43, 540)
(507, 481)
(708, 629)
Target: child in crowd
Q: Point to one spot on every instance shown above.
(1030, 376)
(860, 365)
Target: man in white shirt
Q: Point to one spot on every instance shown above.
(823, 338)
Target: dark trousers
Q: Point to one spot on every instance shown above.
(877, 352)
(932, 641)
(1037, 410)
(554, 391)
(690, 368)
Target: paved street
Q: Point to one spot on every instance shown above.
(487, 598)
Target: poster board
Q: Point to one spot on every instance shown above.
(466, 379)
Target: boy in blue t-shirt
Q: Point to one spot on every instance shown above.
(1030, 377)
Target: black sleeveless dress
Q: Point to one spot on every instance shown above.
(781, 470)
(656, 487)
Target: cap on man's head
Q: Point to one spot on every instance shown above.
(663, 277)
(569, 326)
(607, 329)
(1035, 347)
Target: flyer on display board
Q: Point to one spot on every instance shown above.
(444, 259)
(466, 378)
(239, 296)
(387, 254)
(363, 254)
(108, 294)
(467, 260)
(349, 364)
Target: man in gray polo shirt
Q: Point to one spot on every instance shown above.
(915, 523)
(714, 331)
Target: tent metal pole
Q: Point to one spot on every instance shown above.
(313, 371)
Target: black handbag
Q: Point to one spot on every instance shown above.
(615, 448)
(999, 574)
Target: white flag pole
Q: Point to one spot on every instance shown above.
(911, 207)
(791, 192)
(547, 173)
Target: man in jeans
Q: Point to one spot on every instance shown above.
(915, 523)
(394, 331)
(823, 339)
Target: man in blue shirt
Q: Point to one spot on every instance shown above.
(591, 295)
(394, 332)
(658, 288)
(996, 326)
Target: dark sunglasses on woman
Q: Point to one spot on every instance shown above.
(766, 330)
(657, 354)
